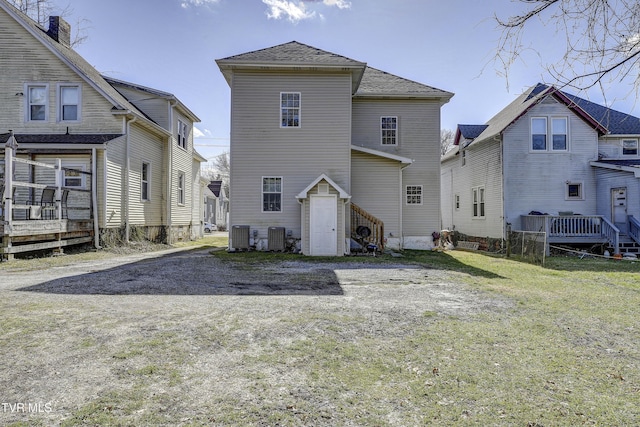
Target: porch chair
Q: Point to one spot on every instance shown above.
(47, 202)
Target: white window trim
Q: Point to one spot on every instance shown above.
(27, 103)
(299, 110)
(463, 157)
(182, 190)
(629, 140)
(566, 191)
(396, 132)
(148, 181)
(59, 88)
(566, 135)
(456, 202)
(480, 202)
(406, 195)
(281, 194)
(78, 166)
(549, 135)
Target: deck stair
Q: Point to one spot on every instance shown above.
(366, 229)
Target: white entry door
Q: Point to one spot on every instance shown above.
(619, 208)
(323, 239)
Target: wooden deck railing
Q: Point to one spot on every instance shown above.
(573, 228)
(362, 218)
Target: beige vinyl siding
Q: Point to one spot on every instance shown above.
(537, 181)
(26, 61)
(115, 191)
(419, 140)
(375, 184)
(148, 148)
(259, 147)
(182, 162)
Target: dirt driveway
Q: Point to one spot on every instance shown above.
(172, 338)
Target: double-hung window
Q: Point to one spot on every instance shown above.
(182, 134)
(414, 194)
(539, 133)
(181, 188)
(37, 105)
(290, 109)
(559, 134)
(68, 103)
(629, 147)
(145, 173)
(389, 130)
(271, 194)
(478, 202)
(549, 134)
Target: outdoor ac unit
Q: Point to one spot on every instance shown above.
(240, 237)
(276, 238)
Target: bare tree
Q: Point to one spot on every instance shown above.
(600, 40)
(40, 10)
(446, 141)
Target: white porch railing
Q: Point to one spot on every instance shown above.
(573, 228)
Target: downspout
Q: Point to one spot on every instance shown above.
(172, 104)
(401, 195)
(127, 226)
(94, 198)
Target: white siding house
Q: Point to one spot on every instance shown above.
(323, 145)
(547, 154)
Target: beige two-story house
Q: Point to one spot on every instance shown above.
(329, 154)
(126, 151)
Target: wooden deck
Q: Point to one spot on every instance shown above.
(37, 235)
(574, 229)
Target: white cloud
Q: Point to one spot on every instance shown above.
(296, 11)
(197, 133)
(186, 3)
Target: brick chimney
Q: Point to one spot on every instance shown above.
(60, 30)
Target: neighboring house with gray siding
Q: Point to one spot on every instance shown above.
(323, 146)
(550, 153)
(126, 146)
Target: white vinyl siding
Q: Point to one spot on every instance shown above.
(538, 182)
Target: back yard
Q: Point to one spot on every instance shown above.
(196, 337)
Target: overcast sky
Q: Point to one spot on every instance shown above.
(172, 45)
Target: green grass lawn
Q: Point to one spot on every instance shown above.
(565, 352)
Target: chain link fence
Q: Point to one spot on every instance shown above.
(528, 245)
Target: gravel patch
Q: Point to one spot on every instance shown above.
(169, 336)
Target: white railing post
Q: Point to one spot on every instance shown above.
(59, 176)
(10, 149)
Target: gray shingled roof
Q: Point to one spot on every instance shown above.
(293, 53)
(380, 83)
(58, 138)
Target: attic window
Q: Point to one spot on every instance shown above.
(290, 109)
(182, 134)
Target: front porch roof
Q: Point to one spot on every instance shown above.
(59, 141)
(404, 160)
(304, 194)
(632, 166)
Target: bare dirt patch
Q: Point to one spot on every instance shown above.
(182, 337)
